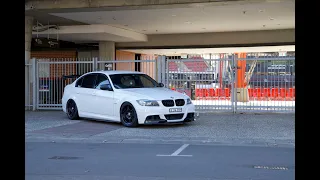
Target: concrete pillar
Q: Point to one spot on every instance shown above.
(106, 53)
(28, 38)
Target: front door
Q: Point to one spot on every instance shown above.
(103, 98)
(85, 93)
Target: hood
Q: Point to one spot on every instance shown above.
(156, 93)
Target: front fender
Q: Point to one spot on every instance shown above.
(120, 98)
(65, 100)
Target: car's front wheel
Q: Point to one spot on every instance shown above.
(128, 115)
(72, 110)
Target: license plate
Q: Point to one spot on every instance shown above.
(175, 110)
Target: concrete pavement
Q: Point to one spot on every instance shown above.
(88, 161)
(220, 128)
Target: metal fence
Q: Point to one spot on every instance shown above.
(28, 91)
(54, 74)
(147, 66)
(199, 79)
(230, 83)
(269, 85)
(226, 83)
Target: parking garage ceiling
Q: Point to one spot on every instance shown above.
(140, 22)
(222, 18)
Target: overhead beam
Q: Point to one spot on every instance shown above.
(92, 5)
(218, 39)
(95, 29)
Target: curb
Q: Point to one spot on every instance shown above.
(197, 141)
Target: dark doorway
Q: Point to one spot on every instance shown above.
(137, 65)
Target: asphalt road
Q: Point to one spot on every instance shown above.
(61, 161)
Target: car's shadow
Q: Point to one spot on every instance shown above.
(142, 126)
(109, 123)
(159, 126)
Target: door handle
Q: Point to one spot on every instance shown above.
(94, 93)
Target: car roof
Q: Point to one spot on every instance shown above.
(116, 72)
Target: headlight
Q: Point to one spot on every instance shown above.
(145, 102)
(189, 101)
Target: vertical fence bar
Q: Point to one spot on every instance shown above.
(177, 72)
(259, 90)
(154, 68)
(27, 85)
(166, 72)
(39, 83)
(163, 69)
(43, 83)
(203, 84)
(30, 94)
(52, 80)
(94, 64)
(236, 84)
(266, 84)
(233, 71)
(158, 69)
(34, 84)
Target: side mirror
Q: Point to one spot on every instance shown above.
(161, 84)
(106, 87)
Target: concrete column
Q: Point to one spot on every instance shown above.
(106, 52)
(28, 38)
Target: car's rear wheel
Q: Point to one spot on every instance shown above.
(128, 115)
(72, 110)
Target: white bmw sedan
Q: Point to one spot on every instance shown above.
(128, 97)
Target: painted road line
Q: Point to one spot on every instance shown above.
(177, 152)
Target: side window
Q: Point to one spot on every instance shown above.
(101, 79)
(89, 81)
(128, 81)
(79, 82)
(146, 82)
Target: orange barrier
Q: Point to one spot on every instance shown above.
(250, 91)
(218, 92)
(290, 93)
(257, 92)
(212, 92)
(282, 92)
(266, 92)
(205, 93)
(227, 92)
(198, 93)
(254, 93)
(274, 92)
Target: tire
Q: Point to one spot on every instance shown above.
(72, 110)
(128, 115)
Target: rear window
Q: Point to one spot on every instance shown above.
(79, 82)
(88, 81)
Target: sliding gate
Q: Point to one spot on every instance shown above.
(232, 83)
(53, 75)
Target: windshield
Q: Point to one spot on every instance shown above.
(125, 81)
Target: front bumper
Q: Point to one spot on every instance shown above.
(153, 120)
(161, 115)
